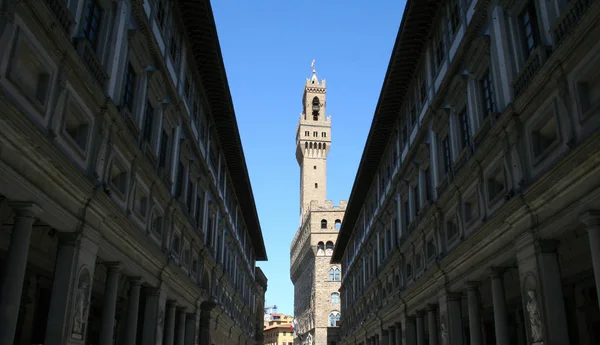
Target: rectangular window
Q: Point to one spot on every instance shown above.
(428, 190)
(148, 123)
(487, 93)
(447, 158)
(465, 128)
(179, 180)
(199, 209)
(190, 194)
(174, 45)
(417, 199)
(439, 53)
(454, 20)
(406, 213)
(161, 13)
(164, 142)
(129, 87)
(529, 28)
(91, 22)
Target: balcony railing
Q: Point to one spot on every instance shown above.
(570, 16)
(90, 60)
(531, 68)
(463, 159)
(62, 14)
(130, 122)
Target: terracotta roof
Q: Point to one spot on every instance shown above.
(200, 27)
(412, 36)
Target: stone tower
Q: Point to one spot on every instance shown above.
(316, 281)
(313, 138)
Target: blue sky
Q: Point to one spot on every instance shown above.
(268, 46)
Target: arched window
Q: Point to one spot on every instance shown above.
(320, 249)
(329, 248)
(310, 145)
(323, 224)
(331, 273)
(334, 319)
(338, 224)
(319, 146)
(315, 108)
(334, 274)
(335, 298)
(306, 145)
(324, 146)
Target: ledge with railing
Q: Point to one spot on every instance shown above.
(569, 18)
(532, 66)
(62, 14)
(90, 60)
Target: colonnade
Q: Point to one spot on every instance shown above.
(69, 305)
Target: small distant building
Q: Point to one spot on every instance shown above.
(278, 333)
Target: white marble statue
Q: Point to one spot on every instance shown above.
(81, 309)
(534, 317)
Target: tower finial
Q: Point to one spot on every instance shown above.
(314, 72)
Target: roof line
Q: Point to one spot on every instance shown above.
(200, 25)
(405, 55)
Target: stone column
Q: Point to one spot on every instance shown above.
(591, 219)
(150, 316)
(385, 337)
(107, 326)
(135, 285)
(411, 331)
(455, 325)
(474, 313)
(190, 329)
(391, 336)
(206, 308)
(62, 289)
(500, 312)
(180, 325)
(398, 334)
(552, 297)
(420, 327)
(14, 272)
(170, 323)
(432, 324)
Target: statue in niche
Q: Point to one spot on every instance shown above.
(161, 322)
(535, 321)
(444, 329)
(80, 314)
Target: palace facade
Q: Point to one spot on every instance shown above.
(475, 213)
(316, 281)
(127, 214)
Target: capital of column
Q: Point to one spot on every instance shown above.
(454, 296)
(135, 281)
(547, 246)
(112, 266)
(496, 272)
(68, 238)
(25, 208)
(591, 219)
(472, 285)
(171, 304)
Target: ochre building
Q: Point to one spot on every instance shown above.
(316, 281)
(126, 210)
(475, 213)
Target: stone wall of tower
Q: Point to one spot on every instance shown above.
(325, 286)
